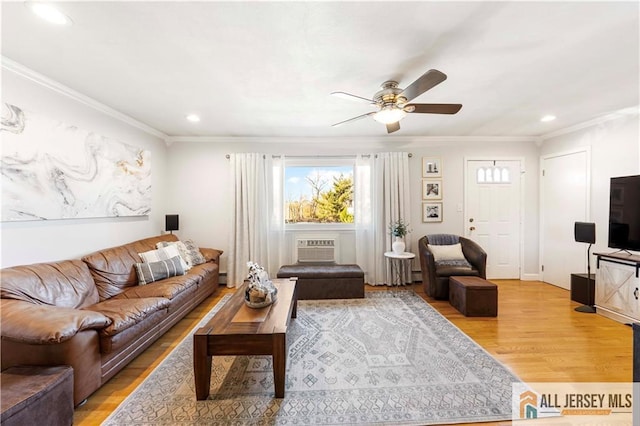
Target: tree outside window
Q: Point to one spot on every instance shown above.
(319, 194)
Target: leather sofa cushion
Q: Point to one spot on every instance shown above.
(203, 270)
(167, 288)
(113, 268)
(125, 313)
(42, 324)
(66, 284)
(449, 271)
(128, 340)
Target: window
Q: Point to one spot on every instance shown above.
(493, 175)
(319, 191)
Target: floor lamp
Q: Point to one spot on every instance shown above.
(585, 232)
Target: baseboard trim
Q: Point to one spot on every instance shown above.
(530, 277)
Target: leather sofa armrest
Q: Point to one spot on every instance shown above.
(475, 255)
(427, 263)
(211, 255)
(26, 322)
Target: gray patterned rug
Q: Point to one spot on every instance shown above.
(387, 359)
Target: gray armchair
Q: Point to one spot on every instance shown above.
(435, 275)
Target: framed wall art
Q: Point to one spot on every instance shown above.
(431, 167)
(431, 189)
(56, 170)
(432, 212)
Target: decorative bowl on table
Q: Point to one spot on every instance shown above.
(260, 291)
(260, 295)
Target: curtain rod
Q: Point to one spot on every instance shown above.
(228, 156)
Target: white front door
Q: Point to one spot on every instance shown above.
(493, 211)
(564, 186)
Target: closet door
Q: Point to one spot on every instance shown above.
(564, 186)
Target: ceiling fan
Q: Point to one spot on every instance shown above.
(393, 102)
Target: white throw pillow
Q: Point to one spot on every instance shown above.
(447, 252)
(184, 252)
(164, 253)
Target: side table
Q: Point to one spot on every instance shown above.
(399, 264)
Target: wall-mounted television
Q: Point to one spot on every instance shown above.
(624, 213)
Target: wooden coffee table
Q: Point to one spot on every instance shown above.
(237, 329)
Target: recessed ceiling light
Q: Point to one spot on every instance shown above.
(193, 118)
(548, 118)
(49, 13)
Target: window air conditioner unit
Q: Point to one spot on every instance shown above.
(316, 250)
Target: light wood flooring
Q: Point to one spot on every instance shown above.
(537, 334)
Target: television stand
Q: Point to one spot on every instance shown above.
(618, 286)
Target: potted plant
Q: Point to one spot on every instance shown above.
(399, 229)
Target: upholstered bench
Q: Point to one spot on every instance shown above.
(325, 280)
(37, 395)
(473, 296)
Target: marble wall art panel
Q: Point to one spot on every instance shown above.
(53, 170)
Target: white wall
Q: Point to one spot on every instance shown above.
(615, 151)
(41, 241)
(198, 183)
(191, 179)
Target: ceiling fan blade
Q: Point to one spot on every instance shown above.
(393, 127)
(433, 108)
(349, 96)
(427, 81)
(353, 119)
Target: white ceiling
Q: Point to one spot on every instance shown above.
(267, 68)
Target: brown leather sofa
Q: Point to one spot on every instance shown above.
(91, 314)
(435, 276)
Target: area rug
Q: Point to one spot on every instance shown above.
(387, 359)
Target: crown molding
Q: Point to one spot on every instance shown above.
(21, 70)
(621, 113)
(354, 140)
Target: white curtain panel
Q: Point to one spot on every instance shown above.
(257, 228)
(276, 236)
(382, 196)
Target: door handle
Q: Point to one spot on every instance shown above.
(635, 293)
(473, 228)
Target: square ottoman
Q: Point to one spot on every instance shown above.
(325, 280)
(473, 296)
(37, 395)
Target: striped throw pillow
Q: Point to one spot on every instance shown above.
(163, 253)
(149, 272)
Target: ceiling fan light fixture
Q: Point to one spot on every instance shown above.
(389, 114)
(393, 102)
